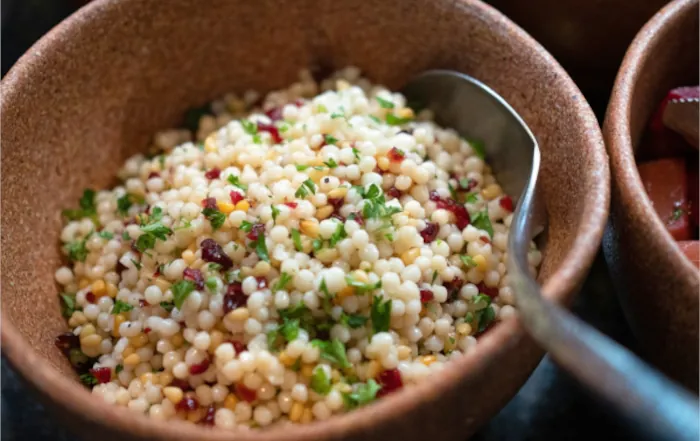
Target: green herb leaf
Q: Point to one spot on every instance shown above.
(136, 263)
(88, 379)
(306, 187)
(317, 244)
(77, 252)
(468, 261)
(488, 315)
(123, 204)
(331, 163)
(120, 306)
(125, 235)
(275, 213)
(394, 120)
(211, 283)
(353, 320)
(333, 351)
(375, 119)
(384, 104)
(296, 238)
(338, 235)
(363, 394)
(356, 153)
(283, 127)
(249, 127)
(453, 192)
(321, 108)
(181, 290)
(329, 139)
(435, 276)
(167, 306)
(336, 115)
(472, 198)
(68, 301)
(380, 314)
(236, 182)
(282, 282)
(481, 221)
(105, 235)
(320, 381)
(257, 139)
(118, 369)
(478, 148)
(246, 226)
(216, 217)
(361, 287)
(261, 248)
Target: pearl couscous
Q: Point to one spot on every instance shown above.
(285, 260)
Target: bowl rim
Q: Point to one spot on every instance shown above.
(618, 138)
(559, 287)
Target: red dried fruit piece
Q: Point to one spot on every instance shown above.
(182, 384)
(245, 394)
(90, 297)
(234, 297)
(357, 217)
(390, 381)
(214, 173)
(453, 287)
(147, 330)
(272, 130)
(462, 218)
(213, 253)
(200, 368)
(187, 403)
(262, 282)
(336, 203)
(208, 419)
(255, 231)
(491, 292)
(238, 346)
(236, 197)
(153, 174)
(210, 203)
(102, 374)
(142, 303)
(291, 205)
(275, 114)
(430, 232)
(506, 203)
(394, 192)
(194, 275)
(426, 295)
(67, 341)
(396, 155)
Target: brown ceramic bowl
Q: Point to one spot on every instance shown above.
(658, 287)
(94, 90)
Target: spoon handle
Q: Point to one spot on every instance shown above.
(657, 408)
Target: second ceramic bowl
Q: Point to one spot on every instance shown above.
(95, 89)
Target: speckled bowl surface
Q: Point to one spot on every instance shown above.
(658, 287)
(93, 91)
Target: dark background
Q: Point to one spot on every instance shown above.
(549, 407)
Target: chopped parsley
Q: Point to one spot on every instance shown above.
(353, 321)
(249, 127)
(306, 187)
(468, 261)
(105, 235)
(136, 263)
(305, 167)
(331, 163)
(380, 314)
(394, 120)
(338, 235)
(471, 198)
(296, 238)
(356, 153)
(87, 207)
(123, 204)
(317, 244)
(481, 221)
(375, 204)
(333, 351)
(125, 235)
(167, 306)
(364, 393)
(275, 213)
(435, 276)
(211, 283)
(482, 314)
(246, 226)
(88, 379)
(216, 217)
(384, 104)
(181, 290)
(77, 252)
(118, 369)
(336, 115)
(282, 282)
(320, 381)
(329, 139)
(236, 182)
(214, 266)
(261, 248)
(152, 231)
(120, 306)
(288, 330)
(68, 301)
(478, 147)
(361, 287)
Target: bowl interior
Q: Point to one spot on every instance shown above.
(96, 88)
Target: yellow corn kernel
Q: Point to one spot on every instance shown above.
(491, 192)
(243, 205)
(373, 368)
(163, 284)
(309, 227)
(230, 402)
(427, 359)
(188, 257)
(306, 416)
(132, 360)
(239, 314)
(342, 294)
(404, 352)
(177, 340)
(147, 378)
(405, 112)
(209, 144)
(87, 330)
(139, 341)
(307, 370)
(226, 207)
(296, 411)
(174, 394)
(90, 341)
(118, 320)
(195, 416)
(324, 212)
(464, 329)
(112, 290)
(99, 288)
(215, 339)
(127, 351)
(77, 319)
(410, 255)
(286, 360)
(481, 263)
(338, 193)
(165, 378)
(383, 163)
(83, 283)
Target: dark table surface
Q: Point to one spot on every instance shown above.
(550, 407)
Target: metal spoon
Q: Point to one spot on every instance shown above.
(655, 407)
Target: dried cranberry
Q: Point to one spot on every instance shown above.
(200, 368)
(396, 155)
(291, 205)
(146, 330)
(214, 173)
(245, 394)
(506, 203)
(262, 282)
(153, 174)
(120, 267)
(336, 203)
(182, 384)
(275, 114)
(484, 239)
(67, 341)
(90, 297)
(234, 297)
(187, 403)
(208, 419)
(213, 253)
(430, 232)
(255, 231)
(390, 381)
(461, 213)
(491, 292)
(194, 275)
(102, 374)
(453, 287)
(394, 192)
(238, 346)
(337, 216)
(272, 130)
(357, 217)
(209, 203)
(426, 295)
(142, 303)
(299, 102)
(156, 273)
(236, 197)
